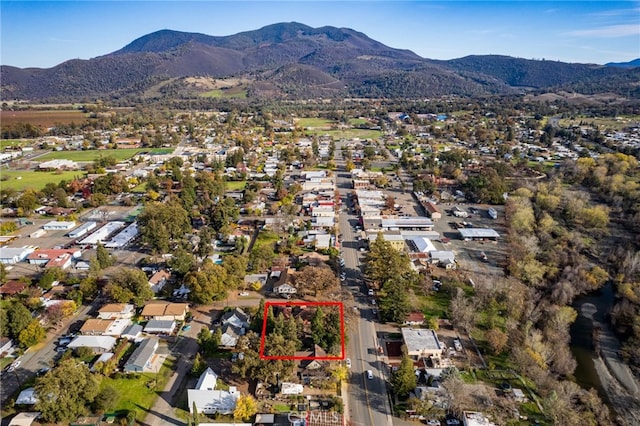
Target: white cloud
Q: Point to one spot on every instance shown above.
(609, 31)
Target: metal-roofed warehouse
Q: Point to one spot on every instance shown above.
(470, 234)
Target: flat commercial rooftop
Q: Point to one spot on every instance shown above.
(478, 233)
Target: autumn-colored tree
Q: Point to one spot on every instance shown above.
(32, 334)
(497, 340)
(246, 407)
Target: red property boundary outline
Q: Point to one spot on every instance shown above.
(263, 336)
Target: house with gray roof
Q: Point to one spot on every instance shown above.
(142, 358)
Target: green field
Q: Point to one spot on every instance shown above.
(347, 133)
(138, 393)
(235, 185)
(5, 143)
(33, 179)
(93, 154)
(314, 122)
(357, 121)
(235, 93)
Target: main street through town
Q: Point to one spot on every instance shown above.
(368, 400)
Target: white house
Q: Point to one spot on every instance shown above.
(207, 400)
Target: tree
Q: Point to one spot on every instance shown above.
(106, 399)
(261, 257)
(246, 408)
(89, 287)
(384, 262)
(129, 286)
(103, 256)
(497, 340)
(199, 365)
(404, 379)
(32, 334)
(18, 318)
(50, 276)
(316, 279)
(59, 311)
(161, 223)
(65, 391)
(394, 299)
(208, 284)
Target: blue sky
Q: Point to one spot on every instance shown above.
(44, 34)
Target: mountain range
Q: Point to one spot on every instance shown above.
(292, 61)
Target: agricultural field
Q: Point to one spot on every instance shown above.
(24, 179)
(93, 154)
(43, 118)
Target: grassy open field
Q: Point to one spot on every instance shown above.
(235, 185)
(357, 121)
(138, 393)
(93, 154)
(347, 133)
(6, 143)
(33, 179)
(234, 92)
(314, 122)
(43, 118)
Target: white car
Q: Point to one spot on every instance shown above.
(370, 292)
(433, 422)
(373, 302)
(13, 366)
(347, 362)
(369, 374)
(244, 293)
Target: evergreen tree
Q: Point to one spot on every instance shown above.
(404, 379)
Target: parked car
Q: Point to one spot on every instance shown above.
(186, 328)
(433, 422)
(347, 362)
(452, 422)
(13, 366)
(370, 292)
(244, 293)
(369, 374)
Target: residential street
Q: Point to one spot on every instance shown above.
(35, 359)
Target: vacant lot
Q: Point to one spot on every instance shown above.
(24, 179)
(43, 118)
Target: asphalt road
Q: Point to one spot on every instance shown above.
(367, 398)
(33, 360)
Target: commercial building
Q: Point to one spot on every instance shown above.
(102, 234)
(82, 230)
(58, 226)
(422, 343)
(478, 234)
